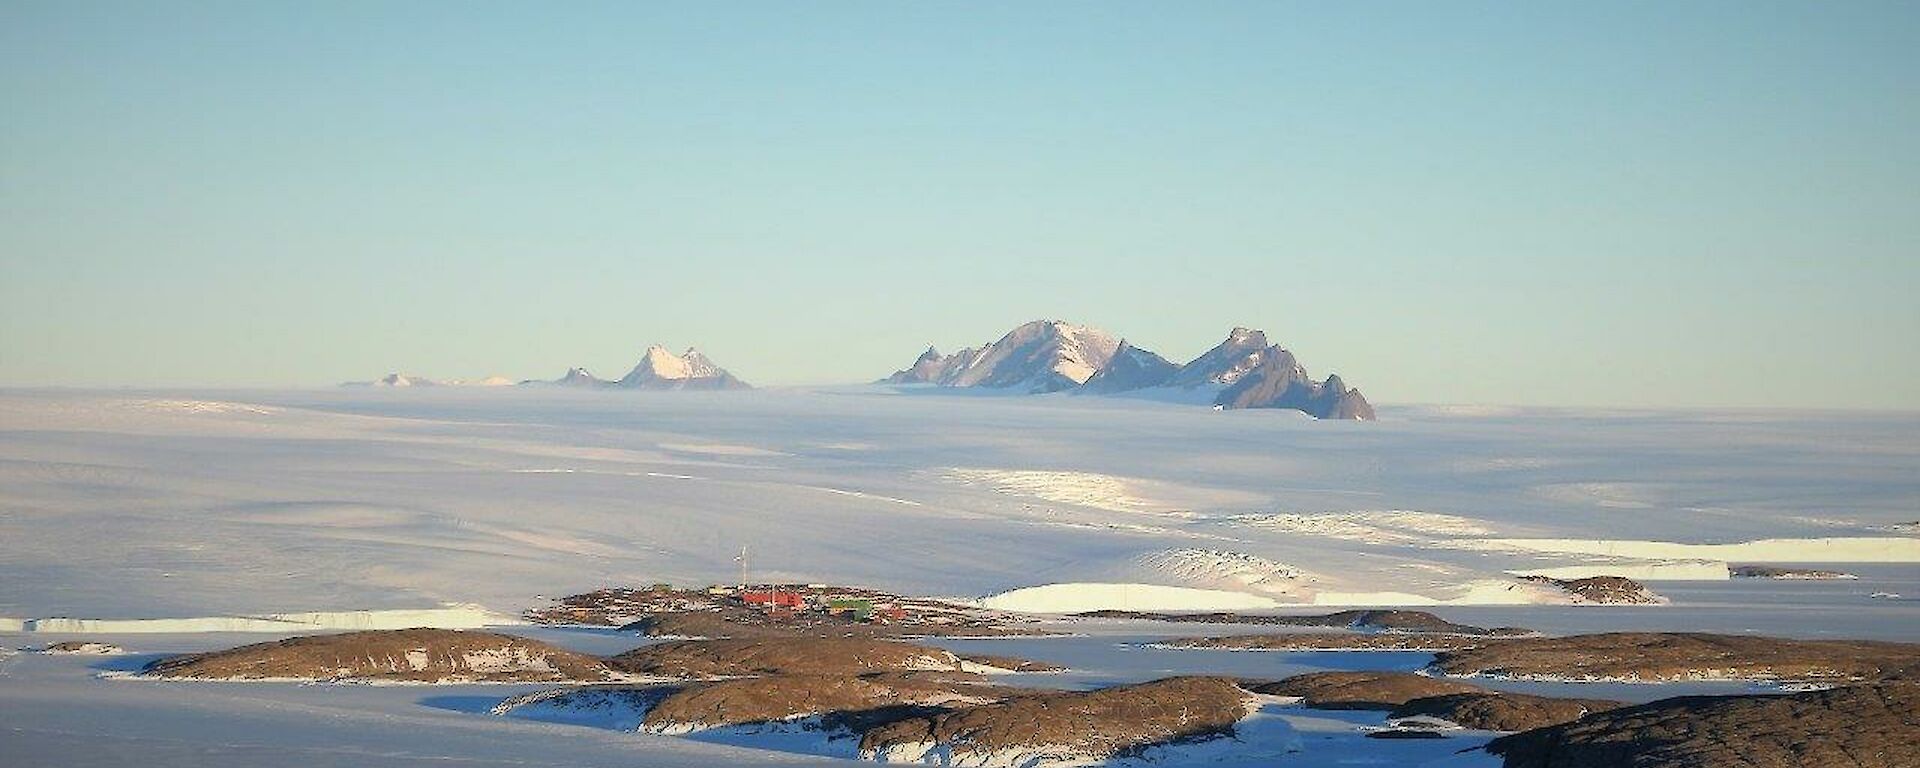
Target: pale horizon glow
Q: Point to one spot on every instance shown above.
(1633, 204)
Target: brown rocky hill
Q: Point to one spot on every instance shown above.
(1082, 725)
(1498, 711)
(1362, 690)
(1684, 656)
(744, 624)
(850, 703)
(1866, 726)
(1327, 641)
(785, 656)
(415, 655)
(854, 703)
(1604, 590)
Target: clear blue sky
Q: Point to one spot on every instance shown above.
(1701, 203)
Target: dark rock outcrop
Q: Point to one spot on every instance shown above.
(1603, 590)
(1655, 656)
(1790, 574)
(723, 625)
(1011, 663)
(1405, 733)
(82, 648)
(1082, 725)
(1868, 726)
(1362, 690)
(1327, 641)
(865, 701)
(1497, 711)
(662, 611)
(784, 656)
(1400, 620)
(414, 655)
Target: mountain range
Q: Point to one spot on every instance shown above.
(408, 380)
(657, 369)
(1244, 371)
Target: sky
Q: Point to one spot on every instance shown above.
(1702, 204)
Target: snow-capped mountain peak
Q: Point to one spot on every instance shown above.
(1243, 371)
(1039, 356)
(661, 369)
(1223, 365)
(658, 363)
(697, 365)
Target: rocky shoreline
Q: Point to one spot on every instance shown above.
(890, 700)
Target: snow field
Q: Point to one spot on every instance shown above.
(448, 617)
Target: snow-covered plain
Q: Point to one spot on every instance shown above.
(156, 506)
(214, 511)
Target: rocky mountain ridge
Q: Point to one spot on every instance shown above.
(1242, 371)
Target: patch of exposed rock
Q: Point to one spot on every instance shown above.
(1658, 656)
(663, 611)
(715, 624)
(848, 703)
(1066, 725)
(785, 656)
(1603, 590)
(1326, 641)
(1362, 690)
(1406, 733)
(1776, 572)
(1372, 620)
(990, 663)
(1498, 711)
(1868, 726)
(705, 624)
(845, 702)
(412, 655)
(82, 648)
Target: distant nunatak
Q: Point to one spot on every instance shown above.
(1243, 371)
(657, 369)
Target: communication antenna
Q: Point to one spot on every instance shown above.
(742, 560)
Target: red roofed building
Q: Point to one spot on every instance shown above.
(773, 598)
